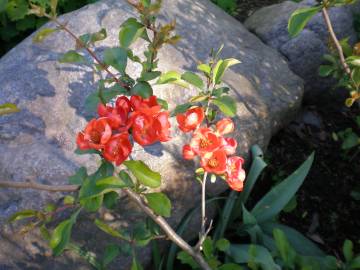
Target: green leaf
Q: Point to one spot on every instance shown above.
(356, 75)
(107, 229)
(159, 203)
(117, 58)
(98, 36)
(17, 9)
(181, 108)
(351, 140)
(226, 104)
(287, 253)
(348, 250)
(277, 198)
(204, 68)
(111, 252)
(208, 247)
(142, 234)
(8, 108)
(252, 253)
(168, 77)
(125, 177)
(353, 60)
(355, 263)
(230, 266)
(93, 100)
(193, 79)
(136, 265)
(148, 76)
(130, 31)
(62, 233)
(143, 173)
(300, 18)
(42, 34)
(220, 68)
(163, 103)
(325, 70)
(53, 5)
(69, 200)
(185, 258)
(79, 177)
(142, 89)
(110, 199)
(72, 57)
(85, 152)
(222, 244)
(22, 215)
(300, 243)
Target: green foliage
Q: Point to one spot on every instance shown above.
(300, 18)
(8, 108)
(143, 173)
(227, 5)
(159, 203)
(18, 19)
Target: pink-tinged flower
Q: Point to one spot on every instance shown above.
(118, 148)
(204, 140)
(190, 120)
(187, 152)
(235, 174)
(214, 162)
(122, 103)
(225, 126)
(229, 145)
(96, 134)
(162, 126)
(116, 119)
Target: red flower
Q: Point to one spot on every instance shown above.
(204, 140)
(96, 134)
(235, 174)
(118, 148)
(225, 126)
(229, 145)
(142, 128)
(189, 120)
(214, 162)
(118, 116)
(187, 152)
(123, 103)
(138, 103)
(162, 126)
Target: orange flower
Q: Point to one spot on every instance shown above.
(190, 120)
(142, 128)
(225, 126)
(139, 103)
(162, 126)
(96, 134)
(235, 174)
(204, 140)
(214, 162)
(118, 148)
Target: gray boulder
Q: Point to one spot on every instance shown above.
(304, 52)
(37, 144)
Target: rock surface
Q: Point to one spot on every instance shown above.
(304, 52)
(38, 142)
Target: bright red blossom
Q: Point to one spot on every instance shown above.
(96, 134)
(214, 162)
(118, 148)
(204, 140)
(229, 145)
(191, 119)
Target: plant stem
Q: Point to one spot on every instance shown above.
(203, 205)
(336, 41)
(37, 186)
(172, 235)
(93, 55)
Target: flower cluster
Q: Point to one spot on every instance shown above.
(110, 133)
(212, 147)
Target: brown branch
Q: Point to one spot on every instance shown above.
(93, 55)
(172, 235)
(336, 41)
(37, 186)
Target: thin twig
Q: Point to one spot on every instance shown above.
(172, 235)
(203, 205)
(93, 55)
(37, 186)
(336, 41)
